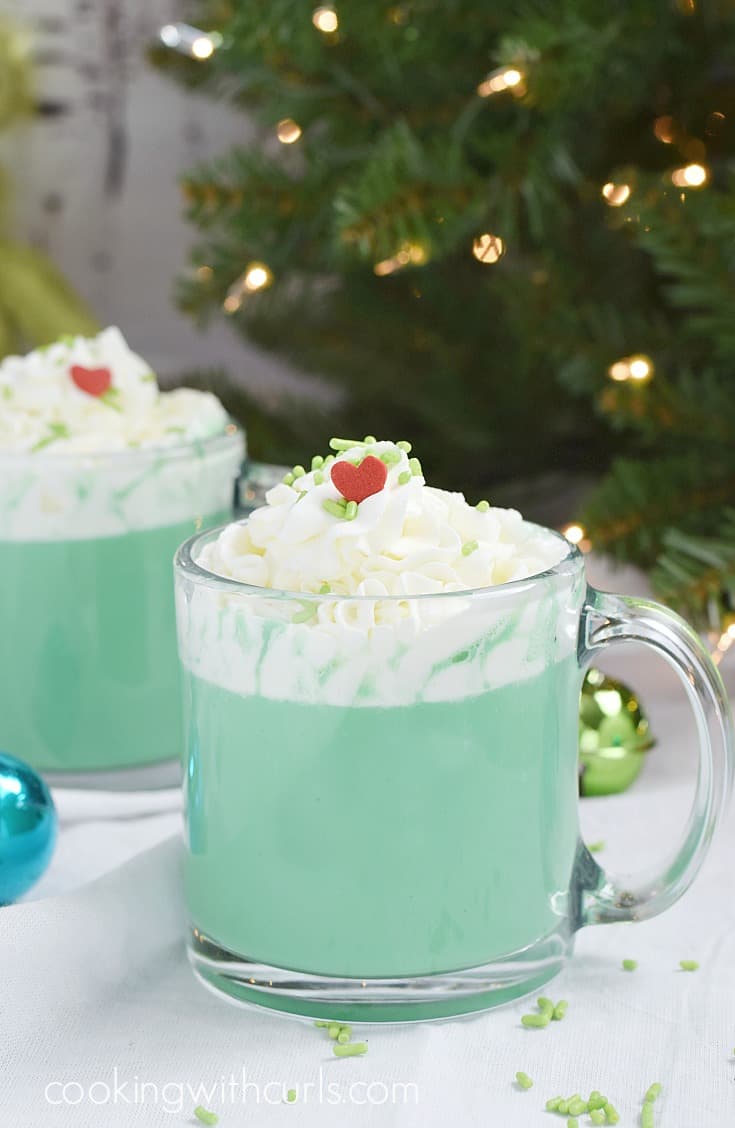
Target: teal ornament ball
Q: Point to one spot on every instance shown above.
(28, 826)
(614, 735)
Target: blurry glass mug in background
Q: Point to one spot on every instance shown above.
(89, 678)
(383, 825)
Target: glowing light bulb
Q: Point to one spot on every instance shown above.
(573, 533)
(663, 129)
(325, 19)
(288, 131)
(256, 277)
(188, 40)
(202, 47)
(690, 176)
(406, 253)
(488, 248)
(505, 78)
(640, 368)
(615, 194)
(232, 303)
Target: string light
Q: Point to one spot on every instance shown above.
(288, 131)
(325, 19)
(488, 248)
(505, 78)
(663, 129)
(257, 276)
(638, 368)
(576, 535)
(615, 194)
(204, 273)
(690, 176)
(188, 40)
(407, 253)
(573, 533)
(723, 644)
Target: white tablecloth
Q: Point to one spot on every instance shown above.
(103, 1023)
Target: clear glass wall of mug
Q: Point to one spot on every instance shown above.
(382, 793)
(89, 675)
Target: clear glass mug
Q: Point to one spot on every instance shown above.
(381, 794)
(90, 688)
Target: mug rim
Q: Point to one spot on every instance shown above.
(231, 435)
(570, 564)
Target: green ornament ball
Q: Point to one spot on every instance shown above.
(614, 735)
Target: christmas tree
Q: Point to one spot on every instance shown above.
(36, 304)
(508, 232)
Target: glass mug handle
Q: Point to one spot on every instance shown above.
(611, 618)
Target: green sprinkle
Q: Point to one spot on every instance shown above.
(352, 1049)
(325, 589)
(291, 1096)
(597, 1116)
(343, 1037)
(653, 1091)
(56, 431)
(630, 965)
(369, 440)
(307, 612)
(345, 1028)
(298, 471)
(328, 461)
(524, 1080)
(572, 1122)
(647, 1115)
(469, 547)
(404, 446)
(414, 466)
(390, 457)
(316, 462)
(688, 965)
(335, 508)
(560, 1010)
(536, 1020)
(318, 478)
(334, 1029)
(545, 1004)
(350, 511)
(596, 1102)
(483, 506)
(345, 444)
(288, 479)
(563, 1106)
(321, 1024)
(596, 847)
(204, 1116)
(553, 1103)
(577, 1106)
(404, 477)
(611, 1113)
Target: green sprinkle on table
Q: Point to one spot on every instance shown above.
(524, 1080)
(553, 1103)
(291, 1096)
(577, 1106)
(535, 1020)
(334, 1029)
(352, 1049)
(597, 1116)
(204, 1116)
(611, 1114)
(653, 1091)
(596, 847)
(688, 965)
(572, 1122)
(560, 1010)
(630, 965)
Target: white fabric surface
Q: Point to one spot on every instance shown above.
(96, 990)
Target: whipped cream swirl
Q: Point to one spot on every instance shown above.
(95, 394)
(405, 539)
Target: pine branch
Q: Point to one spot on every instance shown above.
(696, 575)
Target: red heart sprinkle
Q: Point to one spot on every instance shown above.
(355, 483)
(94, 381)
